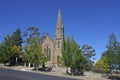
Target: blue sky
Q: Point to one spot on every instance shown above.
(89, 21)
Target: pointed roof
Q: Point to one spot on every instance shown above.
(47, 40)
(59, 21)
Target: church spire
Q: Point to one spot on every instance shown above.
(59, 26)
(59, 37)
(59, 21)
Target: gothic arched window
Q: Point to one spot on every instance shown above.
(48, 52)
(58, 44)
(47, 49)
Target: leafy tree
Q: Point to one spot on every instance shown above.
(17, 38)
(78, 61)
(31, 35)
(110, 57)
(102, 66)
(106, 60)
(66, 56)
(113, 50)
(72, 55)
(34, 54)
(5, 49)
(16, 49)
(3, 57)
(113, 44)
(33, 47)
(10, 46)
(16, 54)
(117, 59)
(88, 52)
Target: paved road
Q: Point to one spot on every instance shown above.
(7, 74)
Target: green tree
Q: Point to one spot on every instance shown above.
(110, 57)
(8, 47)
(113, 44)
(16, 54)
(66, 56)
(89, 53)
(72, 55)
(117, 59)
(102, 66)
(5, 49)
(112, 54)
(16, 50)
(17, 38)
(34, 54)
(33, 47)
(78, 61)
(16, 46)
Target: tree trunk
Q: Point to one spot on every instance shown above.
(25, 64)
(43, 66)
(72, 71)
(29, 65)
(66, 70)
(36, 67)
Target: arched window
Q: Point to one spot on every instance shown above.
(58, 44)
(47, 49)
(48, 52)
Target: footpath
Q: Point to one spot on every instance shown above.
(88, 75)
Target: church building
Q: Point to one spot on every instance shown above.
(53, 46)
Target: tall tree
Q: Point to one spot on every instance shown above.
(16, 46)
(33, 47)
(112, 54)
(113, 44)
(89, 53)
(66, 56)
(17, 38)
(78, 62)
(16, 54)
(72, 55)
(31, 35)
(5, 49)
(117, 59)
(102, 65)
(34, 54)
(110, 57)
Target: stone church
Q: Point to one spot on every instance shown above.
(53, 46)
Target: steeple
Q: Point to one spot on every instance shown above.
(59, 37)
(59, 26)
(59, 21)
